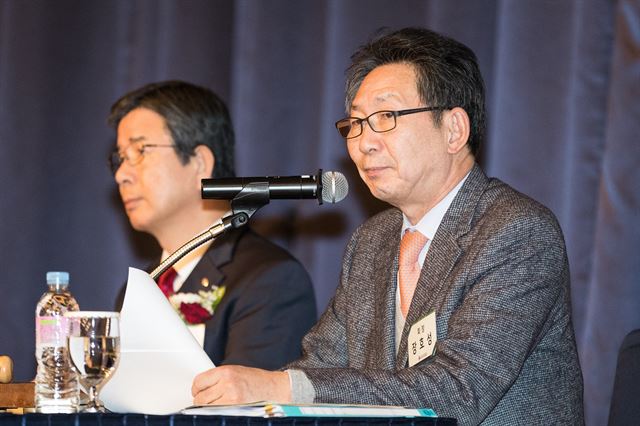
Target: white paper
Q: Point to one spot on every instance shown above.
(159, 357)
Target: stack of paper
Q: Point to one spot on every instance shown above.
(159, 357)
(272, 409)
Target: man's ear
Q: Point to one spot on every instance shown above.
(204, 161)
(459, 127)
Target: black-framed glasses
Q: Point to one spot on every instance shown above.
(132, 154)
(379, 121)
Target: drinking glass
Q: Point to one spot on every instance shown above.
(94, 348)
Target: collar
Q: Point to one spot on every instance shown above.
(430, 222)
(187, 264)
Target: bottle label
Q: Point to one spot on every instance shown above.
(52, 330)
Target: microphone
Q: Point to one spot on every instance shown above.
(328, 187)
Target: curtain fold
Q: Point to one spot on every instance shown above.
(613, 295)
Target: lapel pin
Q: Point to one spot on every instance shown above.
(204, 282)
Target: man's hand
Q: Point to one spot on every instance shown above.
(233, 384)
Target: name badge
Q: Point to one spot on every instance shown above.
(422, 339)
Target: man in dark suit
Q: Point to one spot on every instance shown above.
(457, 298)
(171, 135)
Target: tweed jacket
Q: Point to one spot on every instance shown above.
(268, 305)
(497, 276)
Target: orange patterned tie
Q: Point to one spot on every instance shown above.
(409, 268)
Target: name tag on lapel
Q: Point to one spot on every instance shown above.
(422, 339)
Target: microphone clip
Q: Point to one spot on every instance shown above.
(252, 197)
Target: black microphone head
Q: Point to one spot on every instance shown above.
(334, 187)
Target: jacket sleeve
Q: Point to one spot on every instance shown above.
(273, 312)
(325, 346)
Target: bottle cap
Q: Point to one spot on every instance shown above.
(56, 277)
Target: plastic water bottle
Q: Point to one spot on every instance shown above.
(56, 389)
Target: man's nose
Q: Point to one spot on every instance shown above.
(369, 140)
(124, 173)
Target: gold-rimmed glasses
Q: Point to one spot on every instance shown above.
(132, 154)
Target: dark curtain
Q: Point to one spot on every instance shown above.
(563, 79)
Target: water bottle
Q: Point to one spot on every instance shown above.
(56, 389)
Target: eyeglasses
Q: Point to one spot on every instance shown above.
(379, 121)
(133, 154)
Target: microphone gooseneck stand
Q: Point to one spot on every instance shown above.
(243, 206)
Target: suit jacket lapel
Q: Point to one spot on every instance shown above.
(442, 255)
(386, 293)
(208, 271)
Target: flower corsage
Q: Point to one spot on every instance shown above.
(197, 308)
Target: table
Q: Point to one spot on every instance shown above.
(113, 419)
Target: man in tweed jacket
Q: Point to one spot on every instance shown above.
(494, 270)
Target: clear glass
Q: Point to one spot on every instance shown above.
(94, 348)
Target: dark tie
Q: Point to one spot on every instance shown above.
(165, 281)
